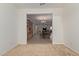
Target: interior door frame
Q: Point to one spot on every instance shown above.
(40, 13)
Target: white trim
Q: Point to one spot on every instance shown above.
(26, 28)
(72, 49)
(22, 43)
(58, 43)
(9, 49)
(39, 12)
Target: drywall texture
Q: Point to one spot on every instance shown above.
(71, 26)
(8, 29)
(57, 23)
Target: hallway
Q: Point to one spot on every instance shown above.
(39, 28)
(31, 29)
(38, 39)
(41, 50)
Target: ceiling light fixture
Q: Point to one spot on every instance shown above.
(43, 17)
(42, 21)
(41, 4)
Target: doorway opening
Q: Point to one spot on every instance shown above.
(39, 28)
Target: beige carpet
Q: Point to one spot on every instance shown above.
(40, 50)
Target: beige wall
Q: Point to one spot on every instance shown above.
(8, 27)
(71, 26)
(57, 23)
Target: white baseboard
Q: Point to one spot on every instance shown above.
(58, 43)
(22, 43)
(72, 49)
(8, 49)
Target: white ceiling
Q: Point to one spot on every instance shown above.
(47, 5)
(37, 5)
